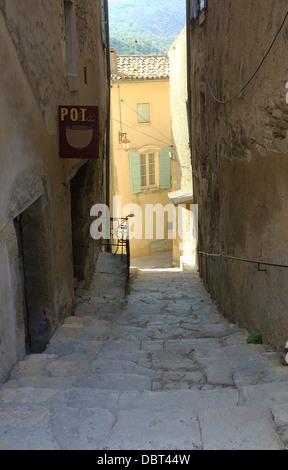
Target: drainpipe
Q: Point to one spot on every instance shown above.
(188, 17)
(189, 7)
(108, 111)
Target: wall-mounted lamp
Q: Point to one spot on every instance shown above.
(124, 141)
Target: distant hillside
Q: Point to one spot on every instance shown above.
(145, 26)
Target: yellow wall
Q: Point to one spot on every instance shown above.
(156, 135)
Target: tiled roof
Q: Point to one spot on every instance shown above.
(142, 67)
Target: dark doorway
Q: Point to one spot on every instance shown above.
(31, 234)
(86, 189)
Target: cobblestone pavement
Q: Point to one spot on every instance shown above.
(159, 369)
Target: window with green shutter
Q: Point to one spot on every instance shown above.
(135, 172)
(165, 169)
(143, 113)
(150, 170)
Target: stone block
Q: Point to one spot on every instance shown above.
(242, 428)
(152, 430)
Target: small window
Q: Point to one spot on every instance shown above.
(203, 4)
(150, 170)
(103, 23)
(199, 5)
(71, 41)
(143, 113)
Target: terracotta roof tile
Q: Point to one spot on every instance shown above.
(142, 68)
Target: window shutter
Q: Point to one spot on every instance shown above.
(143, 113)
(135, 174)
(196, 9)
(103, 22)
(165, 172)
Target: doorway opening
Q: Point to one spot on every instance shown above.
(82, 193)
(31, 233)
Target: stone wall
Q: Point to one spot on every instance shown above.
(239, 154)
(36, 242)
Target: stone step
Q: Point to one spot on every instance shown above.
(123, 398)
(240, 428)
(134, 392)
(17, 398)
(169, 364)
(236, 428)
(118, 382)
(92, 428)
(111, 418)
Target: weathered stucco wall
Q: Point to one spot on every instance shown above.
(34, 81)
(183, 245)
(181, 177)
(239, 152)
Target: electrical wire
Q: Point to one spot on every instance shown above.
(173, 159)
(138, 114)
(181, 166)
(130, 127)
(251, 78)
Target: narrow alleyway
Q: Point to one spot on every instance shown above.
(159, 369)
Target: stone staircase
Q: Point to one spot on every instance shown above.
(157, 369)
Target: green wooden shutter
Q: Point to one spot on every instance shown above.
(143, 112)
(165, 172)
(135, 174)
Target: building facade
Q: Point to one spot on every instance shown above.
(55, 55)
(141, 174)
(181, 195)
(238, 114)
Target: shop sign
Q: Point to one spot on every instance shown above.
(79, 132)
